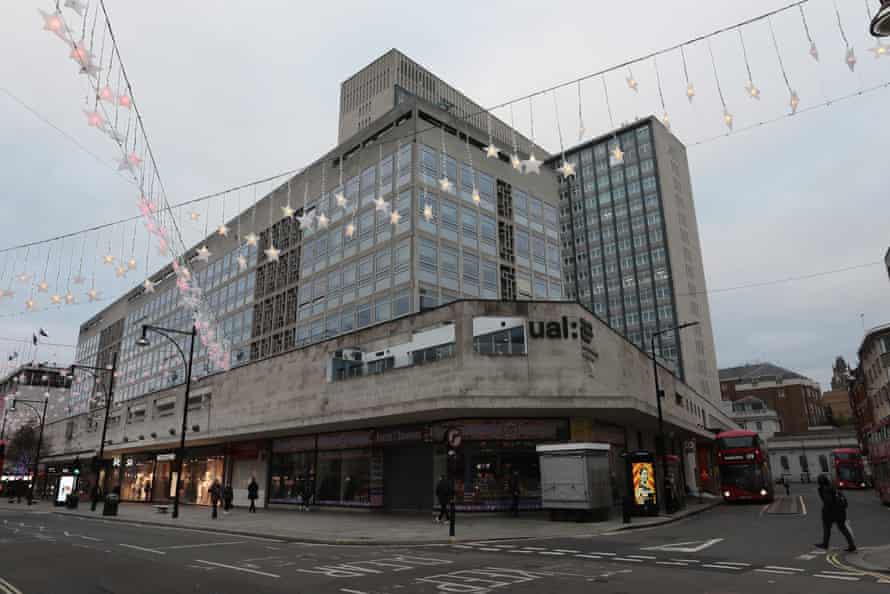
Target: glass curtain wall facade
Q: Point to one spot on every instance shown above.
(613, 241)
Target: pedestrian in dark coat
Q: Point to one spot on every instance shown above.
(215, 495)
(444, 493)
(228, 497)
(834, 511)
(253, 491)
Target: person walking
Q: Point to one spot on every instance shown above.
(215, 494)
(444, 493)
(228, 497)
(253, 491)
(514, 493)
(834, 511)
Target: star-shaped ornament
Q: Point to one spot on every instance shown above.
(77, 6)
(752, 90)
(24, 277)
(851, 59)
(272, 253)
(340, 198)
(108, 259)
(93, 294)
(194, 215)
(287, 211)
(666, 120)
(395, 217)
(350, 230)
(80, 54)
(53, 23)
(56, 299)
(9, 293)
(222, 230)
(476, 197)
(69, 298)
(879, 49)
(428, 213)
(690, 92)
(814, 51)
(78, 279)
(91, 69)
(42, 286)
(2, 293)
(106, 94)
(445, 184)
(125, 101)
(323, 221)
(566, 169)
(94, 119)
(306, 220)
(131, 264)
(203, 254)
(727, 118)
(617, 154)
(491, 151)
(794, 101)
(633, 84)
(516, 162)
(29, 304)
(242, 262)
(532, 165)
(381, 204)
(120, 271)
(251, 239)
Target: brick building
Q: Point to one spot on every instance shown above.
(796, 398)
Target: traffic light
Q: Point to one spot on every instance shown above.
(75, 468)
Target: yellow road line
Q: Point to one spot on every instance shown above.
(9, 588)
(833, 560)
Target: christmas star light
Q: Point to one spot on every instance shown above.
(194, 215)
(272, 253)
(94, 119)
(323, 221)
(532, 165)
(395, 217)
(752, 90)
(666, 120)
(428, 213)
(566, 169)
(106, 94)
(78, 279)
(242, 262)
(617, 154)
(129, 162)
(727, 118)
(476, 197)
(203, 254)
(340, 199)
(690, 92)
(69, 298)
(77, 6)
(80, 54)
(131, 264)
(120, 271)
(633, 84)
(222, 230)
(90, 69)
(42, 286)
(56, 299)
(93, 294)
(516, 162)
(350, 230)
(851, 59)
(29, 303)
(814, 51)
(287, 211)
(53, 23)
(879, 49)
(108, 259)
(251, 239)
(491, 151)
(306, 220)
(24, 277)
(445, 184)
(125, 101)
(794, 101)
(2, 293)
(380, 204)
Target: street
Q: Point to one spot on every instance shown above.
(730, 549)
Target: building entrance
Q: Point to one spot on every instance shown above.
(408, 481)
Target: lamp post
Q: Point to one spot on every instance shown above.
(94, 371)
(30, 404)
(880, 24)
(187, 361)
(660, 448)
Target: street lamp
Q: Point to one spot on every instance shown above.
(142, 342)
(94, 371)
(29, 404)
(880, 24)
(659, 394)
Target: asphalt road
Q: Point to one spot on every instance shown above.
(729, 550)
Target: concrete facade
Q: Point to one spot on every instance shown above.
(601, 387)
(753, 414)
(802, 457)
(871, 398)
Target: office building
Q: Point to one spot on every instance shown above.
(872, 404)
(631, 245)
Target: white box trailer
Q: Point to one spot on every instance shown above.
(576, 481)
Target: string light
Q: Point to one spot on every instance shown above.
(794, 99)
(566, 168)
(727, 116)
(580, 116)
(750, 87)
(690, 89)
(514, 158)
(665, 119)
(491, 151)
(617, 155)
(814, 51)
(531, 165)
(850, 55)
(444, 183)
(631, 81)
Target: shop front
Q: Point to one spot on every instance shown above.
(152, 477)
(136, 474)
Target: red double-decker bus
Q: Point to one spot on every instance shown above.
(848, 469)
(744, 467)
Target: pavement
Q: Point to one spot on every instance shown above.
(738, 549)
(361, 527)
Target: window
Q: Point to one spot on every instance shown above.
(468, 222)
(804, 464)
(489, 279)
(783, 460)
(471, 274)
(489, 232)
(450, 267)
(401, 303)
(449, 220)
(523, 246)
(404, 161)
(363, 315)
(429, 260)
(382, 309)
(503, 342)
(429, 165)
(823, 463)
(540, 287)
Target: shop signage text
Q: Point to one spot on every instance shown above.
(563, 329)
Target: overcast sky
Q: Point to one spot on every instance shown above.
(235, 91)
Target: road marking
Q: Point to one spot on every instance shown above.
(572, 551)
(349, 591)
(837, 577)
(803, 506)
(672, 563)
(598, 553)
(209, 544)
(588, 556)
(687, 560)
(840, 572)
(554, 553)
(773, 571)
(154, 551)
(779, 567)
(627, 560)
(505, 546)
(647, 557)
(733, 563)
(9, 587)
(691, 546)
(236, 568)
(94, 539)
(534, 548)
(489, 549)
(715, 566)
(461, 547)
(806, 557)
(521, 551)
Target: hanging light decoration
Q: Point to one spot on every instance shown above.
(727, 116)
(690, 89)
(750, 87)
(203, 254)
(794, 99)
(52, 22)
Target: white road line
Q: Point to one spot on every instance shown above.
(836, 577)
(350, 591)
(9, 587)
(572, 551)
(209, 544)
(733, 563)
(94, 539)
(840, 573)
(507, 546)
(803, 506)
(236, 568)
(589, 556)
(598, 553)
(154, 551)
(687, 560)
(488, 549)
(534, 548)
(780, 568)
(461, 547)
(647, 557)
(677, 563)
(773, 571)
(554, 553)
(720, 566)
(627, 560)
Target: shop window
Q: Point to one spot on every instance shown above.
(344, 478)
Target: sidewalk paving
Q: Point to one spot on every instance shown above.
(360, 527)
(875, 559)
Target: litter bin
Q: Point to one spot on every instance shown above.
(111, 503)
(71, 501)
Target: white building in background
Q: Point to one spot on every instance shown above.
(754, 415)
(802, 457)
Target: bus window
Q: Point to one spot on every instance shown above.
(744, 441)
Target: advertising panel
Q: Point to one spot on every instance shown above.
(644, 483)
(66, 487)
